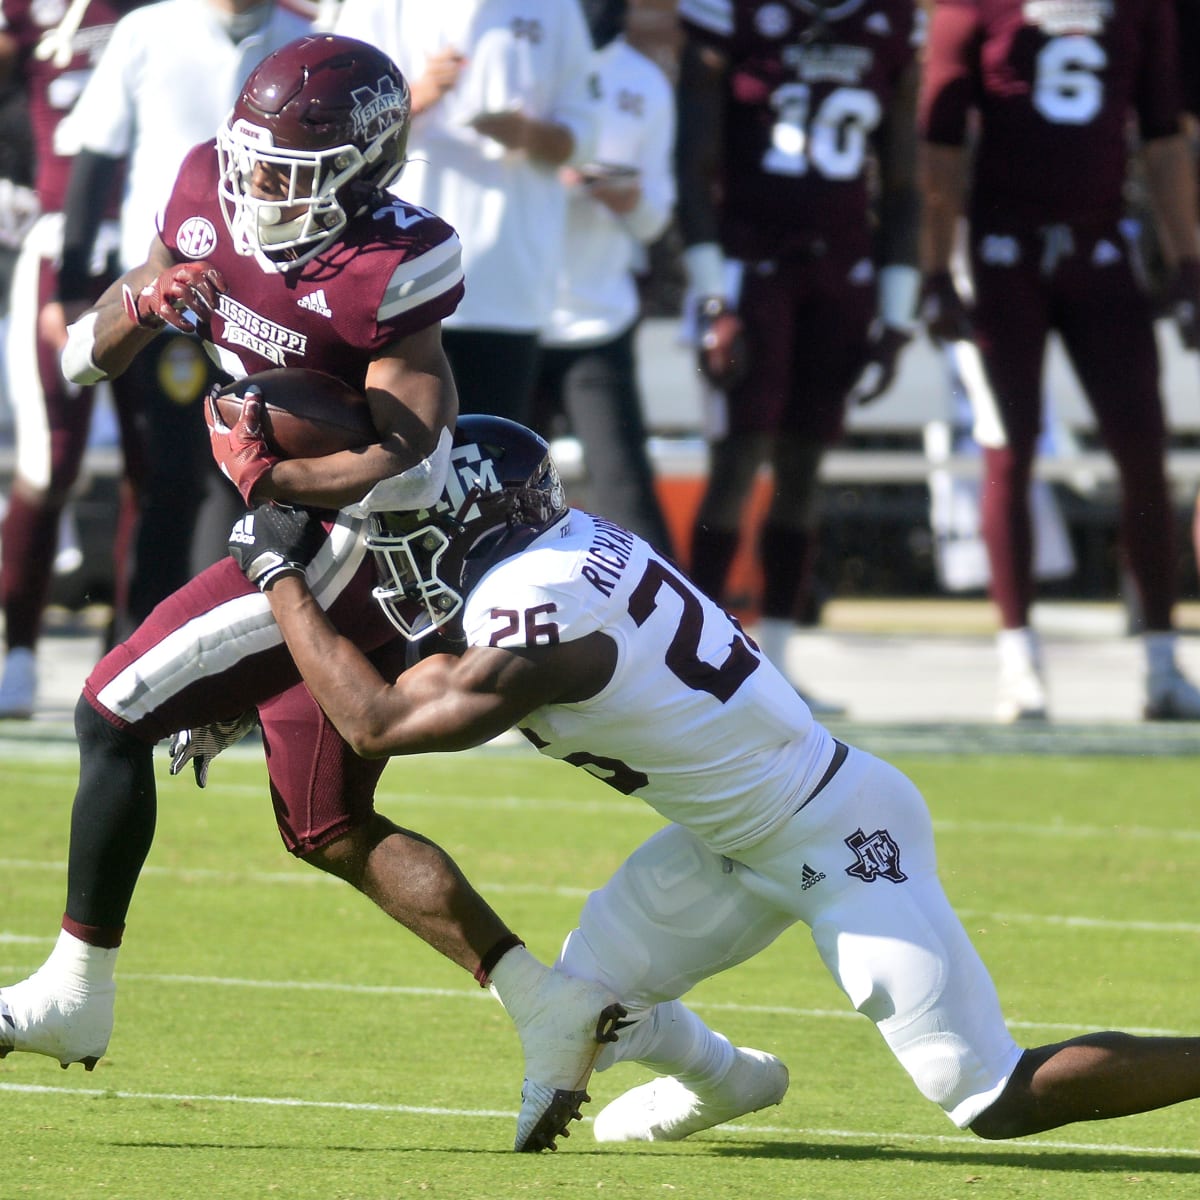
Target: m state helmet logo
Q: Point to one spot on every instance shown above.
(878, 857)
(377, 107)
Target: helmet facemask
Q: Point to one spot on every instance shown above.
(502, 491)
(309, 211)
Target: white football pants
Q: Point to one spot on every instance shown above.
(857, 866)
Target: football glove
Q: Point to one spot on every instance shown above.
(183, 296)
(944, 311)
(274, 540)
(883, 356)
(1183, 297)
(201, 745)
(721, 343)
(241, 451)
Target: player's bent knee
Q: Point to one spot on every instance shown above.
(673, 914)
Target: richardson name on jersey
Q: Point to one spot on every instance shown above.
(244, 327)
(607, 556)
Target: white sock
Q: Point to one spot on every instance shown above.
(672, 1040)
(88, 967)
(1159, 647)
(515, 978)
(772, 635)
(1019, 649)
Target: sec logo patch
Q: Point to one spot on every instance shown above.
(196, 237)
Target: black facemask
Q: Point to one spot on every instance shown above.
(605, 18)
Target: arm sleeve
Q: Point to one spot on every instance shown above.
(92, 178)
(700, 115)
(948, 90)
(572, 106)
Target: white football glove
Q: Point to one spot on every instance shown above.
(201, 745)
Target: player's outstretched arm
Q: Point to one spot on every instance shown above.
(135, 309)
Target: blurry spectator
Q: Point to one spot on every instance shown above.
(125, 117)
(18, 210)
(1052, 87)
(805, 290)
(499, 93)
(623, 198)
(50, 48)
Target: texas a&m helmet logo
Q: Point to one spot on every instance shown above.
(878, 857)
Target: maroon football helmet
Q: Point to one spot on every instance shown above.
(327, 117)
(502, 490)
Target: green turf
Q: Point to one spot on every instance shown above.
(277, 1036)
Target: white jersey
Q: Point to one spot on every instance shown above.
(166, 81)
(695, 721)
(596, 298)
(531, 55)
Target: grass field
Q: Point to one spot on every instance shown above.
(277, 1036)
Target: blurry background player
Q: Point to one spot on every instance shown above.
(1053, 86)
(51, 47)
(587, 375)
(126, 118)
(799, 212)
(499, 104)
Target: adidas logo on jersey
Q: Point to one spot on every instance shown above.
(315, 302)
(809, 877)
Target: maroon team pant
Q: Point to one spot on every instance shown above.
(212, 651)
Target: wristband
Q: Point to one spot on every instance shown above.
(705, 265)
(77, 363)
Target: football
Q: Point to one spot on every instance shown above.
(306, 413)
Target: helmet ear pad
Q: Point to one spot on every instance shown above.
(502, 491)
(324, 118)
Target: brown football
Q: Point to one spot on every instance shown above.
(306, 413)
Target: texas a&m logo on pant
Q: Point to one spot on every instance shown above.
(878, 857)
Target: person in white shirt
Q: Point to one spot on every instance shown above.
(618, 203)
(499, 104)
(131, 115)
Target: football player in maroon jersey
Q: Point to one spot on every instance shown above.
(805, 280)
(51, 48)
(1052, 87)
(280, 246)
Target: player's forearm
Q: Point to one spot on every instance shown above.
(341, 679)
(104, 341)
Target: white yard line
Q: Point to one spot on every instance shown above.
(977, 1147)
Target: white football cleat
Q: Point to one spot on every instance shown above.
(18, 687)
(563, 1025)
(665, 1110)
(47, 1014)
(1021, 695)
(1172, 697)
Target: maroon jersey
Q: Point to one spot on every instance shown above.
(57, 49)
(808, 84)
(392, 271)
(1054, 82)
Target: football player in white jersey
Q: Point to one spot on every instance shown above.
(609, 658)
